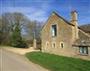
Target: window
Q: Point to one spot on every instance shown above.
(83, 50)
(47, 44)
(61, 44)
(53, 45)
(54, 30)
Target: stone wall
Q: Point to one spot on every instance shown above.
(64, 35)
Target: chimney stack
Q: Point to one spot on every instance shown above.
(74, 17)
(74, 21)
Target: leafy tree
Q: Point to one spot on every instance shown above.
(16, 39)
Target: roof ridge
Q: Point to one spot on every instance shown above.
(62, 18)
(84, 33)
(54, 12)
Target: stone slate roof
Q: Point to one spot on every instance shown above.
(69, 23)
(85, 28)
(62, 18)
(84, 39)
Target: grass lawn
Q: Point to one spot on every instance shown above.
(58, 63)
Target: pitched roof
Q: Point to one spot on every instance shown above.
(63, 18)
(85, 28)
(84, 39)
(59, 17)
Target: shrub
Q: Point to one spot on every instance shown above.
(16, 38)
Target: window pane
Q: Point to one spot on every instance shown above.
(86, 50)
(80, 49)
(53, 45)
(62, 45)
(83, 50)
(54, 30)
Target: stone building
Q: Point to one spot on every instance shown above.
(62, 37)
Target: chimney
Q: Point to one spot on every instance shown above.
(74, 17)
(74, 21)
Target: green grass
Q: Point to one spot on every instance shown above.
(58, 63)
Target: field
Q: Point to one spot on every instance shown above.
(58, 63)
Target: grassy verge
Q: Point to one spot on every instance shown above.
(58, 63)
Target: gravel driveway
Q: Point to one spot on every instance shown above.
(12, 62)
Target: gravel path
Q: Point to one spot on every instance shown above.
(13, 62)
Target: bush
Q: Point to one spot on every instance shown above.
(20, 44)
(23, 44)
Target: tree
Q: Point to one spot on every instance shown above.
(16, 39)
(18, 27)
(9, 21)
(33, 30)
(0, 30)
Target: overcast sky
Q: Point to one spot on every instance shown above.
(41, 9)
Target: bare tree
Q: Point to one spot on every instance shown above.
(9, 21)
(29, 29)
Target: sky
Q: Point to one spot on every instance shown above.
(40, 10)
